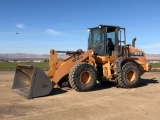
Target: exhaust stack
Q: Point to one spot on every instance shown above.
(133, 42)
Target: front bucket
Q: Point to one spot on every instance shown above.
(30, 82)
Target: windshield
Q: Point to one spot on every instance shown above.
(96, 41)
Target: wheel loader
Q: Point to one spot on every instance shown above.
(108, 58)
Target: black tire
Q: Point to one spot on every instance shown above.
(129, 76)
(82, 77)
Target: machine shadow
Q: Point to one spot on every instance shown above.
(144, 82)
(104, 85)
(56, 91)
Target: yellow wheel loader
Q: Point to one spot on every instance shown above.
(108, 58)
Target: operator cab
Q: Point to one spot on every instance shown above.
(106, 40)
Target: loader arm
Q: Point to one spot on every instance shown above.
(59, 69)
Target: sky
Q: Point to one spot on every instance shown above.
(36, 26)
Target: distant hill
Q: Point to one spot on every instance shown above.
(25, 56)
(153, 56)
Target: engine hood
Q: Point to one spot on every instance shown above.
(136, 52)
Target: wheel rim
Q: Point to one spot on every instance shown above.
(131, 75)
(85, 77)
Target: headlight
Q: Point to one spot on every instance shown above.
(92, 52)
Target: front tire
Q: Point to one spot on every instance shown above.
(82, 77)
(129, 76)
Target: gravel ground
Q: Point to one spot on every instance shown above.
(106, 102)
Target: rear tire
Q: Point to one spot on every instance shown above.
(129, 76)
(82, 77)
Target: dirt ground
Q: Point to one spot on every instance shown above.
(106, 102)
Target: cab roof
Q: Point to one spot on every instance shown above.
(101, 26)
(109, 27)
